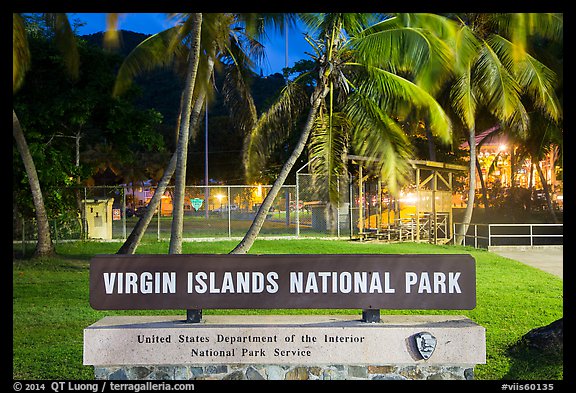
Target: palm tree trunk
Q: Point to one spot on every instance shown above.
(133, 240)
(246, 243)
(472, 190)
(431, 144)
(44, 247)
(480, 176)
(546, 193)
(483, 186)
(531, 185)
(182, 148)
(512, 168)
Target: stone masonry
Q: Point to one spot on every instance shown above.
(284, 372)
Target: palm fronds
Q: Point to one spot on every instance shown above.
(391, 92)
(533, 77)
(378, 136)
(272, 128)
(20, 52)
(520, 27)
(65, 41)
(327, 149)
(498, 89)
(415, 44)
(158, 50)
(111, 35)
(463, 98)
(238, 99)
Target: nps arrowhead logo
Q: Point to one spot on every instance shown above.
(425, 343)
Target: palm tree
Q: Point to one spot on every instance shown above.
(160, 50)
(544, 137)
(499, 75)
(227, 39)
(195, 20)
(65, 41)
(353, 55)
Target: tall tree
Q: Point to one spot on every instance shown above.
(353, 52)
(545, 138)
(63, 35)
(182, 147)
(224, 42)
(497, 77)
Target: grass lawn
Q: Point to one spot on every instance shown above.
(51, 309)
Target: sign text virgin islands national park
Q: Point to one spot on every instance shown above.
(283, 281)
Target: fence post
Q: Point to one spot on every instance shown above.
(287, 206)
(84, 221)
(158, 220)
(475, 236)
(531, 238)
(229, 214)
(338, 208)
(23, 236)
(297, 206)
(489, 235)
(124, 212)
(350, 200)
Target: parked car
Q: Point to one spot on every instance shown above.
(140, 211)
(224, 208)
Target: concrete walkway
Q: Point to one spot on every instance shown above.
(547, 258)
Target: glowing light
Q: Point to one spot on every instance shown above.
(408, 198)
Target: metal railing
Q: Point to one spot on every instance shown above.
(487, 235)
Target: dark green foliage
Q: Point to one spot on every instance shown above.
(160, 89)
(56, 112)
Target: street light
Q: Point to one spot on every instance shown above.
(220, 197)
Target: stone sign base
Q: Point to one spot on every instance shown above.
(283, 372)
(285, 347)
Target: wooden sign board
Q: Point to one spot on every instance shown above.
(208, 281)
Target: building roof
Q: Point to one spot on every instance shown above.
(490, 137)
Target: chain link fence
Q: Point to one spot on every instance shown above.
(210, 212)
(315, 214)
(226, 211)
(110, 213)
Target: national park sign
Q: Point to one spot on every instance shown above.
(208, 281)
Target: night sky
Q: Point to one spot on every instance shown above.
(150, 23)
